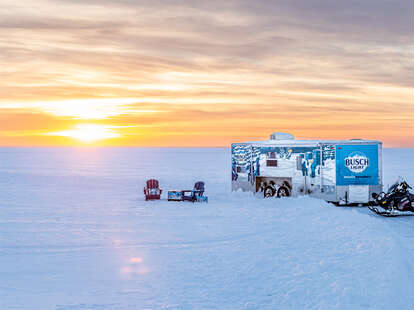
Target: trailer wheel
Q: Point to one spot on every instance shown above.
(283, 192)
(269, 191)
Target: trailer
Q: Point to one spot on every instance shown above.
(339, 171)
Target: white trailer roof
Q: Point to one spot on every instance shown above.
(293, 142)
(309, 142)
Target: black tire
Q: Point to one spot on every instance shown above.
(269, 191)
(283, 192)
(287, 184)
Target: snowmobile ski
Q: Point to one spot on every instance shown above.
(388, 213)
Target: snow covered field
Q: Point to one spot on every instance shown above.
(76, 233)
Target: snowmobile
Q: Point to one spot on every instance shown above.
(396, 201)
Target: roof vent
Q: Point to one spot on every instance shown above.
(281, 136)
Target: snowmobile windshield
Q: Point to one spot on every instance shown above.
(393, 187)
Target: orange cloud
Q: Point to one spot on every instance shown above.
(190, 75)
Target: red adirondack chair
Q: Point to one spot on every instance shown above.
(152, 190)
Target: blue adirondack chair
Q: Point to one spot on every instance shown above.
(196, 194)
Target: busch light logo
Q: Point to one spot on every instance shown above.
(357, 162)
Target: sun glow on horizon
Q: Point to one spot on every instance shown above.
(87, 108)
(88, 133)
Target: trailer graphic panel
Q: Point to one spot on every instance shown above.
(357, 164)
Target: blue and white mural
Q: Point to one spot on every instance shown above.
(303, 165)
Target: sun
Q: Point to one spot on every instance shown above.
(88, 133)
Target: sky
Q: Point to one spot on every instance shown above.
(205, 73)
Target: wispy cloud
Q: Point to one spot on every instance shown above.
(224, 70)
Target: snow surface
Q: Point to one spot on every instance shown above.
(75, 233)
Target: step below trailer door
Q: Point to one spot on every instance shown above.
(358, 193)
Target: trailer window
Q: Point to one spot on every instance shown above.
(299, 163)
(271, 163)
(271, 155)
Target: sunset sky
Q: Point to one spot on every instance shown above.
(205, 73)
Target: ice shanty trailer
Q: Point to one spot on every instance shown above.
(339, 171)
